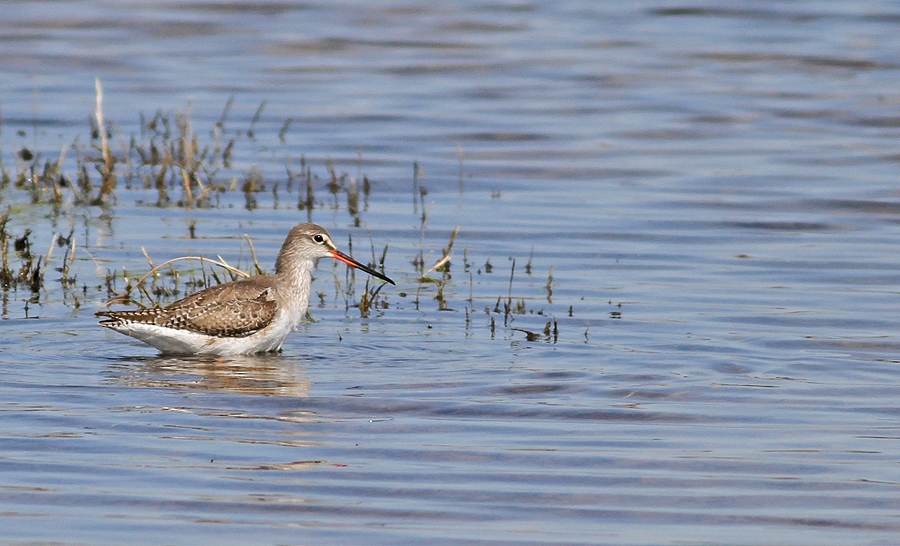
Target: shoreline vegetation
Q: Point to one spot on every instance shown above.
(166, 155)
(182, 167)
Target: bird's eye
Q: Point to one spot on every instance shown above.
(318, 239)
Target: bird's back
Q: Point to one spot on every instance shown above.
(233, 309)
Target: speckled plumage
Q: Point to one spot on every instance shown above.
(248, 316)
(228, 310)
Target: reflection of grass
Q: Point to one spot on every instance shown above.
(30, 274)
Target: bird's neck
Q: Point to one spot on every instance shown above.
(296, 272)
(295, 287)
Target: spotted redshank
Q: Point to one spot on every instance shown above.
(252, 315)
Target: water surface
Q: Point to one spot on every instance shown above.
(709, 190)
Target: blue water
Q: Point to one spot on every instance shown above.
(708, 190)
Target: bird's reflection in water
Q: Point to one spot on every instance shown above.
(267, 375)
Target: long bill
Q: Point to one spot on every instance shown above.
(341, 257)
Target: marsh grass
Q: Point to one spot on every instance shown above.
(173, 164)
(182, 166)
(369, 299)
(156, 293)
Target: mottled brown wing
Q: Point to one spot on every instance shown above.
(245, 289)
(233, 309)
(233, 318)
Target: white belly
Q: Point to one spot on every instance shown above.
(173, 341)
